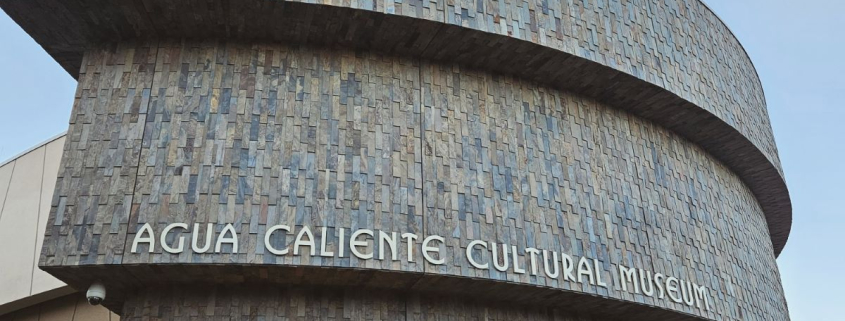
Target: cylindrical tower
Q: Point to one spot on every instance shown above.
(585, 160)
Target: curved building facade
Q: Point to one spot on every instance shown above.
(586, 160)
(27, 182)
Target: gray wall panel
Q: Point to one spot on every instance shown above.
(26, 189)
(19, 224)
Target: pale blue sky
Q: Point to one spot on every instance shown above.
(797, 46)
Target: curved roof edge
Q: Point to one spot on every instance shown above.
(29, 150)
(125, 279)
(428, 37)
(733, 34)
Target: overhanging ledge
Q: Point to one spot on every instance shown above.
(66, 28)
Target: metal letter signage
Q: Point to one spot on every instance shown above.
(479, 254)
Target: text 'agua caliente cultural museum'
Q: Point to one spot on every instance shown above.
(396, 160)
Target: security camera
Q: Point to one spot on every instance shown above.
(96, 293)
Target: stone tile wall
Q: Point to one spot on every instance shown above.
(296, 304)
(673, 62)
(263, 134)
(679, 45)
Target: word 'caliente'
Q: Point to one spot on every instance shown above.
(367, 244)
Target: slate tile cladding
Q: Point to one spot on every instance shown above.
(273, 304)
(673, 61)
(679, 45)
(265, 134)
